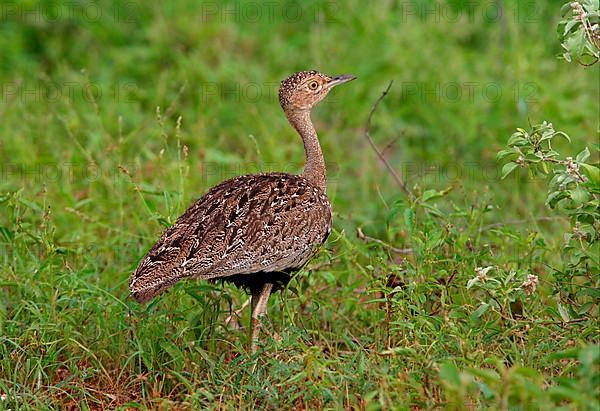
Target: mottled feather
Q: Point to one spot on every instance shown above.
(250, 225)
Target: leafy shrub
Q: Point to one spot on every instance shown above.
(579, 31)
(573, 190)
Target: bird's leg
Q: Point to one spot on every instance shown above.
(260, 297)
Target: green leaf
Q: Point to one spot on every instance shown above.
(503, 153)
(562, 393)
(508, 168)
(589, 355)
(7, 234)
(485, 390)
(546, 168)
(554, 182)
(584, 155)
(528, 372)
(591, 172)
(564, 313)
(580, 196)
(575, 43)
(431, 194)
(449, 374)
(31, 205)
(479, 311)
(570, 24)
(399, 351)
(518, 139)
(565, 9)
(433, 210)
(569, 353)
(555, 197)
(585, 308)
(473, 281)
(398, 206)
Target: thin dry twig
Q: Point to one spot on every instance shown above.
(389, 145)
(367, 239)
(382, 158)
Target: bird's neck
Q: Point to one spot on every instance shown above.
(314, 168)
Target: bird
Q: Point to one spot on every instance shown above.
(254, 230)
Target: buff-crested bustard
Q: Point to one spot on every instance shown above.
(252, 230)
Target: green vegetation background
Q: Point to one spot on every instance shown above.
(92, 172)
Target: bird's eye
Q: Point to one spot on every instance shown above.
(313, 85)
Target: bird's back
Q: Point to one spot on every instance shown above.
(260, 223)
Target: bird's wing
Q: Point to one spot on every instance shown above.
(262, 222)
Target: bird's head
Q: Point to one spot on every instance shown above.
(303, 90)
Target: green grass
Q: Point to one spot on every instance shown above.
(87, 185)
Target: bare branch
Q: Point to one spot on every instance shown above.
(382, 158)
(367, 239)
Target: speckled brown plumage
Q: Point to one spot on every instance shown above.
(251, 224)
(252, 230)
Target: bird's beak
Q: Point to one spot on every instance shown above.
(337, 80)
